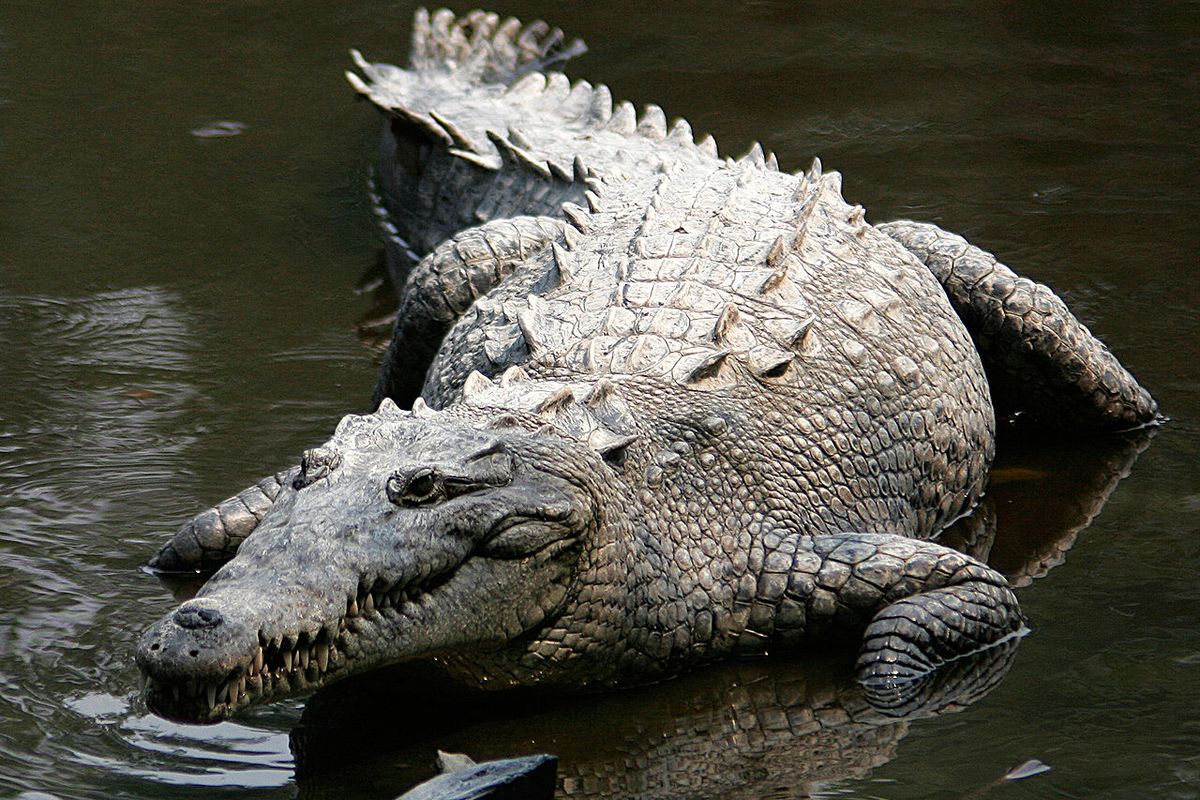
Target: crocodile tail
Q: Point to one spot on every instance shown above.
(480, 46)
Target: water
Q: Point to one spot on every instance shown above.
(183, 218)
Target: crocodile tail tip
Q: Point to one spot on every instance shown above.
(481, 46)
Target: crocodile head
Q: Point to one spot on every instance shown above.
(409, 537)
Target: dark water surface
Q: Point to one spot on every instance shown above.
(183, 218)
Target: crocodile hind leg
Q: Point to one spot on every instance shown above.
(445, 284)
(1039, 358)
(917, 605)
(213, 537)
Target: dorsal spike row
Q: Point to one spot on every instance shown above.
(612, 447)
(729, 318)
(596, 186)
(475, 384)
(857, 215)
(601, 392)
(593, 200)
(420, 36)
(472, 157)
(356, 83)
(556, 401)
(624, 118)
(562, 263)
(533, 164)
(800, 335)
(511, 153)
(504, 147)
(833, 182)
(772, 162)
(767, 362)
(503, 421)
(755, 155)
(581, 171)
(653, 124)
(531, 84)
(580, 99)
(775, 278)
(600, 108)
(458, 139)
(558, 88)
(513, 375)
(421, 409)
(577, 216)
(571, 238)
(814, 172)
(559, 171)
(707, 366)
(519, 139)
(424, 123)
(708, 146)
(681, 132)
(388, 408)
(778, 250)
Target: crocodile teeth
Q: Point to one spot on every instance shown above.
(212, 694)
(322, 657)
(369, 602)
(258, 662)
(303, 659)
(352, 608)
(287, 661)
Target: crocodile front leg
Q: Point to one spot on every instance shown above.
(1039, 358)
(917, 605)
(213, 537)
(444, 285)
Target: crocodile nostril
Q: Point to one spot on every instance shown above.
(194, 618)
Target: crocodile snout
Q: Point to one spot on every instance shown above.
(197, 640)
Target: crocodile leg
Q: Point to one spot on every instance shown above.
(445, 284)
(918, 605)
(1039, 358)
(212, 537)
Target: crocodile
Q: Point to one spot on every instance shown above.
(645, 407)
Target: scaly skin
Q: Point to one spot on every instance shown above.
(712, 412)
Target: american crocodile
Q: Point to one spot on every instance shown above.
(665, 407)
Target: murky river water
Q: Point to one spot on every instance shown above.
(176, 320)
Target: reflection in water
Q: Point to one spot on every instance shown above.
(754, 729)
(1041, 494)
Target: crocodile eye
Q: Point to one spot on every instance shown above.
(415, 489)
